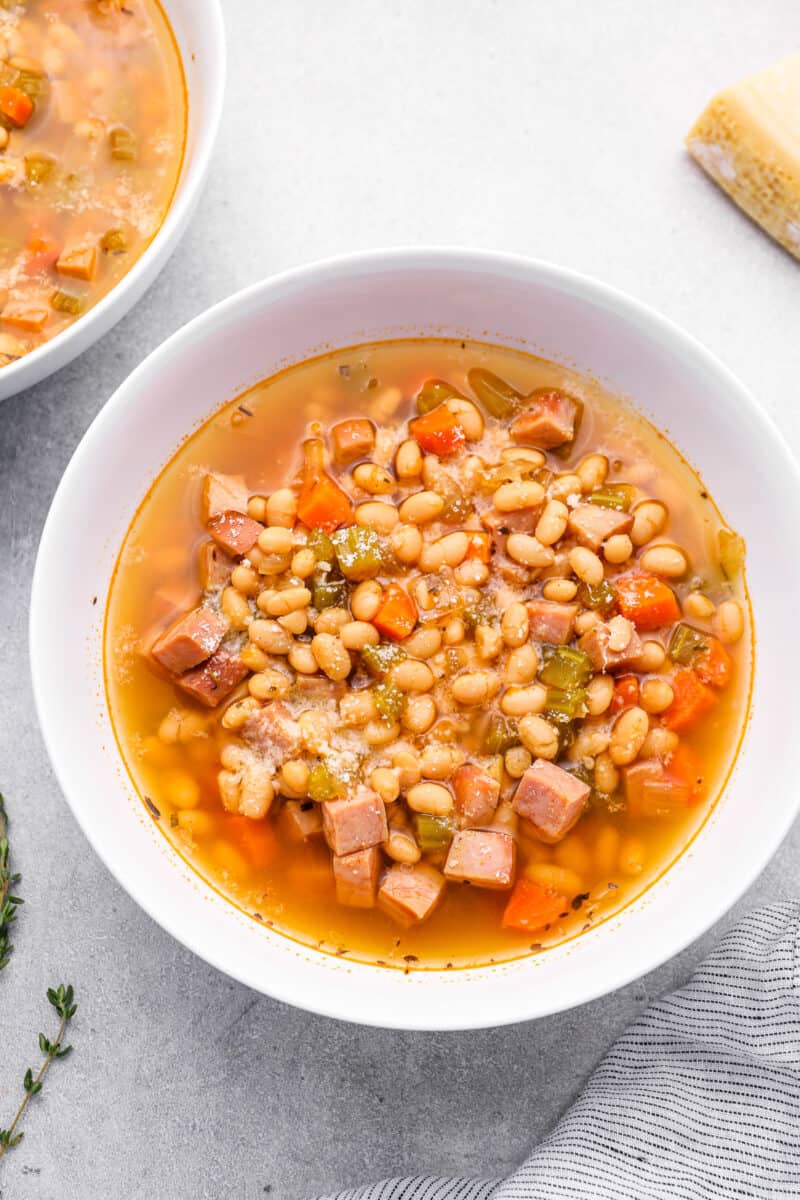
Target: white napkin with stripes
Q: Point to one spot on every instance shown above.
(699, 1099)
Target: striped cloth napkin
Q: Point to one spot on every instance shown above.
(699, 1099)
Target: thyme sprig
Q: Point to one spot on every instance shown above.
(8, 902)
(62, 999)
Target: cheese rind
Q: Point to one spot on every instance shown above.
(748, 140)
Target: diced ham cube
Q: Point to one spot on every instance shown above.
(483, 857)
(551, 622)
(356, 877)
(273, 731)
(352, 440)
(476, 795)
(355, 823)
(190, 640)
(215, 680)
(612, 644)
(234, 532)
(410, 894)
(651, 792)
(500, 524)
(551, 799)
(215, 567)
(548, 422)
(302, 819)
(224, 492)
(592, 524)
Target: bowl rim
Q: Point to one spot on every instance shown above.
(326, 1002)
(71, 342)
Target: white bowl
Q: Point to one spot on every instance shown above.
(200, 34)
(670, 377)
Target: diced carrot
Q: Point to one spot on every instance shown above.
(25, 315)
(255, 838)
(646, 600)
(15, 106)
(532, 907)
(685, 767)
(42, 253)
(714, 665)
(324, 505)
(626, 693)
(479, 545)
(692, 701)
(78, 261)
(397, 614)
(438, 431)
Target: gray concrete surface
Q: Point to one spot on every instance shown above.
(550, 129)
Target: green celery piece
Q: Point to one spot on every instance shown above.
(731, 552)
(563, 706)
(613, 495)
(685, 644)
(66, 302)
(114, 241)
(432, 393)
(323, 784)
(566, 669)
(123, 144)
(381, 658)
(358, 552)
(322, 547)
(327, 592)
(433, 833)
(499, 736)
(601, 597)
(498, 397)
(389, 701)
(38, 167)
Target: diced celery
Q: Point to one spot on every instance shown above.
(566, 669)
(685, 644)
(601, 597)
(433, 833)
(38, 168)
(432, 393)
(500, 736)
(327, 592)
(323, 784)
(34, 86)
(498, 397)
(389, 701)
(483, 612)
(731, 552)
(122, 143)
(65, 302)
(563, 706)
(381, 658)
(358, 552)
(613, 495)
(114, 241)
(322, 547)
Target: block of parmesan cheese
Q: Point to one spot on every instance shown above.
(748, 140)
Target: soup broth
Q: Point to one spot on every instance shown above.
(92, 129)
(598, 768)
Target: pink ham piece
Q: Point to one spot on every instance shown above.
(302, 819)
(551, 799)
(190, 640)
(650, 792)
(356, 877)
(234, 532)
(215, 567)
(548, 422)
(273, 731)
(592, 524)
(483, 857)
(410, 894)
(351, 440)
(612, 644)
(476, 795)
(355, 823)
(215, 680)
(551, 622)
(223, 492)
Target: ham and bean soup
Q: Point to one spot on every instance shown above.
(92, 127)
(429, 653)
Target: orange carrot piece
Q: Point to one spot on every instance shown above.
(15, 106)
(255, 838)
(626, 693)
(685, 767)
(438, 431)
(397, 614)
(78, 261)
(714, 665)
(25, 315)
(321, 504)
(479, 546)
(646, 600)
(532, 907)
(692, 701)
(42, 253)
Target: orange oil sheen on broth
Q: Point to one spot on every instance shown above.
(87, 179)
(609, 855)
